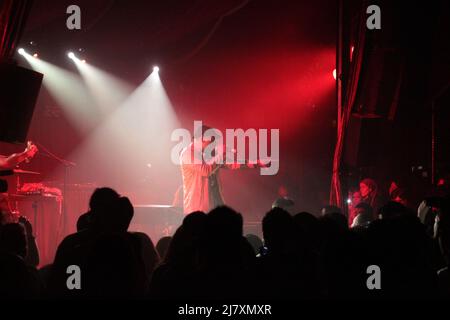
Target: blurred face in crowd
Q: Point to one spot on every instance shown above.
(359, 211)
(364, 190)
(392, 187)
(282, 191)
(356, 197)
(400, 200)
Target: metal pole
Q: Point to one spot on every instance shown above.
(433, 131)
(339, 67)
(433, 143)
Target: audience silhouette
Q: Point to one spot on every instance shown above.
(300, 256)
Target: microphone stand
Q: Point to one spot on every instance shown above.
(66, 164)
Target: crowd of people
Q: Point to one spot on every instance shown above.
(301, 256)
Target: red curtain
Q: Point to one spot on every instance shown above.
(349, 95)
(13, 14)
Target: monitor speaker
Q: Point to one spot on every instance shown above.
(19, 89)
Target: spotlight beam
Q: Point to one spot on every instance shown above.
(108, 91)
(69, 92)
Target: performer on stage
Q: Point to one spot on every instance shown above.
(201, 182)
(13, 160)
(7, 164)
(29, 252)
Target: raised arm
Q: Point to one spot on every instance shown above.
(10, 162)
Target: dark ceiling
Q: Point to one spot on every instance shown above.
(174, 31)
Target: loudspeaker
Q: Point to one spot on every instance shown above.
(19, 89)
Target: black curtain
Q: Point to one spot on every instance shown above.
(13, 15)
(353, 35)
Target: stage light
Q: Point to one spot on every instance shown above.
(156, 69)
(334, 74)
(36, 55)
(75, 59)
(68, 90)
(349, 201)
(21, 51)
(139, 122)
